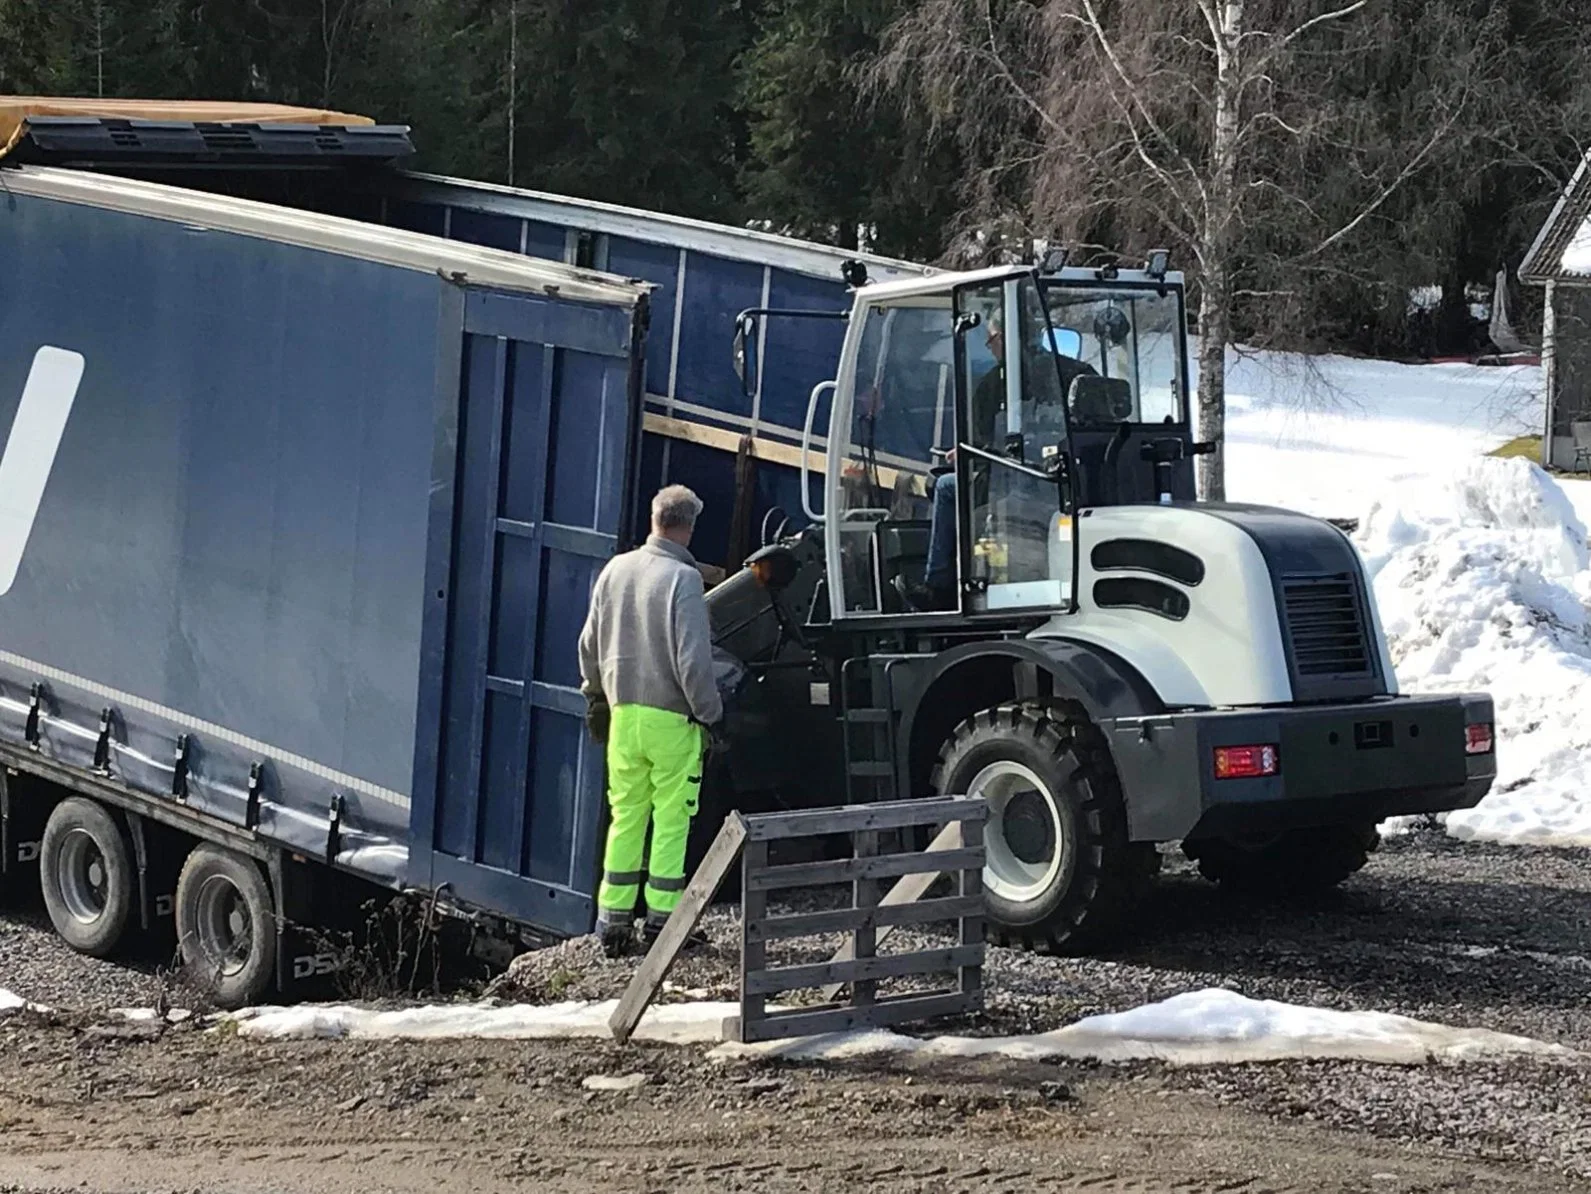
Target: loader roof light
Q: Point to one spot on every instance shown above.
(1479, 738)
(1246, 762)
(1054, 259)
(1156, 265)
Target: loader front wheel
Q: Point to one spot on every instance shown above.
(1059, 870)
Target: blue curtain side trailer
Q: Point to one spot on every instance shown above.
(299, 517)
(697, 415)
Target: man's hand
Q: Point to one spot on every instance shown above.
(598, 717)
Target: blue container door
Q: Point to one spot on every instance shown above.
(546, 432)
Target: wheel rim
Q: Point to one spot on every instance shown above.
(223, 925)
(1025, 841)
(83, 877)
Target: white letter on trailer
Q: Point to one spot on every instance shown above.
(47, 399)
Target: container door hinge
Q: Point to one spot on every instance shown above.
(334, 830)
(102, 744)
(251, 810)
(179, 772)
(35, 706)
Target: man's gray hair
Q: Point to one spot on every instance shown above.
(675, 507)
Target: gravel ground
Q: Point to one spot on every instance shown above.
(1494, 937)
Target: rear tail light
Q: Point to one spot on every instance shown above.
(1246, 762)
(1478, 738)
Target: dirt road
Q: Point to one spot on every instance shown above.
(103, 1109)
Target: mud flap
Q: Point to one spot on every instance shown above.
(24, 808)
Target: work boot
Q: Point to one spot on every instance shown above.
(618, 937)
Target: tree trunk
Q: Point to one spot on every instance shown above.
(1220, 223)
(1215, 323)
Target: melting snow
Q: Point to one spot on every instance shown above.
(1199, 1028)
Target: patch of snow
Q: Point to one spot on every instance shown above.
(1483, 578)
(1210, 1027)
(672, 1023)
(1199, 1028)
(1327, 435)
(10, 1001)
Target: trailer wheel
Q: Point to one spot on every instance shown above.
(1294, 862)
(226, 926)
(1059, 869)
(86, 873)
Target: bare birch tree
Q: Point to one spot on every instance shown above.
(1222, 126)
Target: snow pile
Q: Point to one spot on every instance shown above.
(1210, 1027)
(1199, 1028)
(1482, 578)
(10, 1001)
(1326, 435)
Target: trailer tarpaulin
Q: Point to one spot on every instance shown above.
(15, 111)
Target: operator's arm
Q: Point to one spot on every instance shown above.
(590, 657)
(693, 646)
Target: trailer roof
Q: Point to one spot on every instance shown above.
(16, 110)
(392, 246)
(720, 240)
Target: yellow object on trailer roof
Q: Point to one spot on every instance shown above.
(15, 110)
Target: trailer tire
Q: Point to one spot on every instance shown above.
(1070, 874)
(226, 926)
(86, 876)
(1294, 862)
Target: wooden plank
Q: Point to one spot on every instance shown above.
(753, 954)
(844, 920)
(899, 1010)
(864, 894)
(969, 980)
(925, 961)
(909, 890)
(763, 448)
(698, 895)
(846, 870)
(891, 814)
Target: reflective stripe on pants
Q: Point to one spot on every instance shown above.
(654, 775)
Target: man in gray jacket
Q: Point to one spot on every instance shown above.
(646, 667)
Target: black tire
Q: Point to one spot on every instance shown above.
(1070, 875)
(87, 877)
(226, 926)
(1293, 862)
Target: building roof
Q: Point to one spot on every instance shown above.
(1562, 249)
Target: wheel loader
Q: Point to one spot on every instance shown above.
(1006, 588)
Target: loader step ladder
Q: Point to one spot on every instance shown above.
(870, 917)
(867, 726)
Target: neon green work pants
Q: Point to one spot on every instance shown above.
(654, 772)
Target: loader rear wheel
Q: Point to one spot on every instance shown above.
(226, 926)
(86, 872)
(1293, 862)
(1060, 871)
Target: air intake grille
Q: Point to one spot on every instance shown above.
(1326, 625)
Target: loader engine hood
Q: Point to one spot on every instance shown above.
(1229, 605)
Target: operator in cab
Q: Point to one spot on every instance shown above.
(987, 410)
(646, 668)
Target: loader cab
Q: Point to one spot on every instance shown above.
(973, 415)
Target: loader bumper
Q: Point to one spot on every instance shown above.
(1364, 761)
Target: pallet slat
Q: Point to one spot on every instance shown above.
(892, 814)
(844, 920)
(847, 870)
(925, 961)
(898, 1010)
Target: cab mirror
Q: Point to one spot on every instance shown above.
(745, 353)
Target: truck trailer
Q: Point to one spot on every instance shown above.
(313, 461)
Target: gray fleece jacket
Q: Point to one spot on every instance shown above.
(646, 640)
